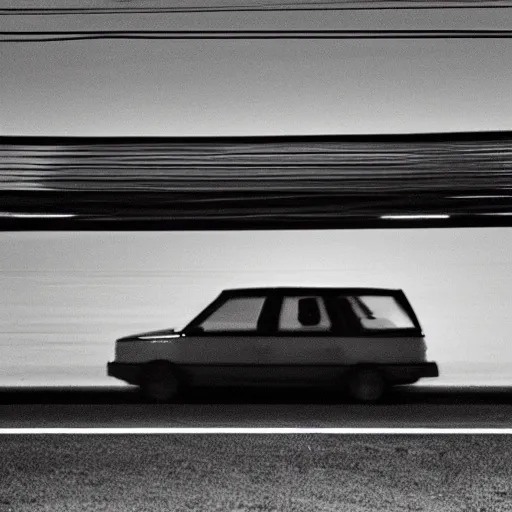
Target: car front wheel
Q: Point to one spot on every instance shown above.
(366, 385)
(159, 383)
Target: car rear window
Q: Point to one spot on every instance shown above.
(380, 312)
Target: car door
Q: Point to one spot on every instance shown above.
(228, 346)
(379, 329)
(304, 347)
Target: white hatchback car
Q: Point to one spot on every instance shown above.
(360, 339)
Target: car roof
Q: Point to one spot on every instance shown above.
(311, 289)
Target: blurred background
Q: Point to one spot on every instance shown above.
(66, 296)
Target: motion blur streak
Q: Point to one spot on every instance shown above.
(257, 182)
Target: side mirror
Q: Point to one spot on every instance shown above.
(196, 330)
(309, 312)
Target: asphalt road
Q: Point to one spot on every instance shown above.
(255, 473)
(412, 407)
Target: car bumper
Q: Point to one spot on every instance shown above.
(129, 372)
(410, 372)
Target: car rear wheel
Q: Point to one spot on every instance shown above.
(159, 383)
(366, 385)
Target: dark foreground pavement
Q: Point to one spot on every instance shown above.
(412, 407)
(249, 473)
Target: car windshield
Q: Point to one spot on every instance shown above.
(377, 312)
(236, 314)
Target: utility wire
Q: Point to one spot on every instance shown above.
(25, 37)
(368, 5)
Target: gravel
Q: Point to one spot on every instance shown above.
(255, 472)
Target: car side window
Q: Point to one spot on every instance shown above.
(304, 314)
(380, 312)
(236, 314)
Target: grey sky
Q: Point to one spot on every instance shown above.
(255, 87)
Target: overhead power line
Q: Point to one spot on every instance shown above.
(340, 5)
(254, 34)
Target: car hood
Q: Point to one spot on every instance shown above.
(161, 332)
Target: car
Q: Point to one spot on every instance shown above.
(360, 340)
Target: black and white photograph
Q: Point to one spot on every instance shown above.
(225, 215)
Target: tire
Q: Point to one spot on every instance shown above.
(159, 383)
(366, 385)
